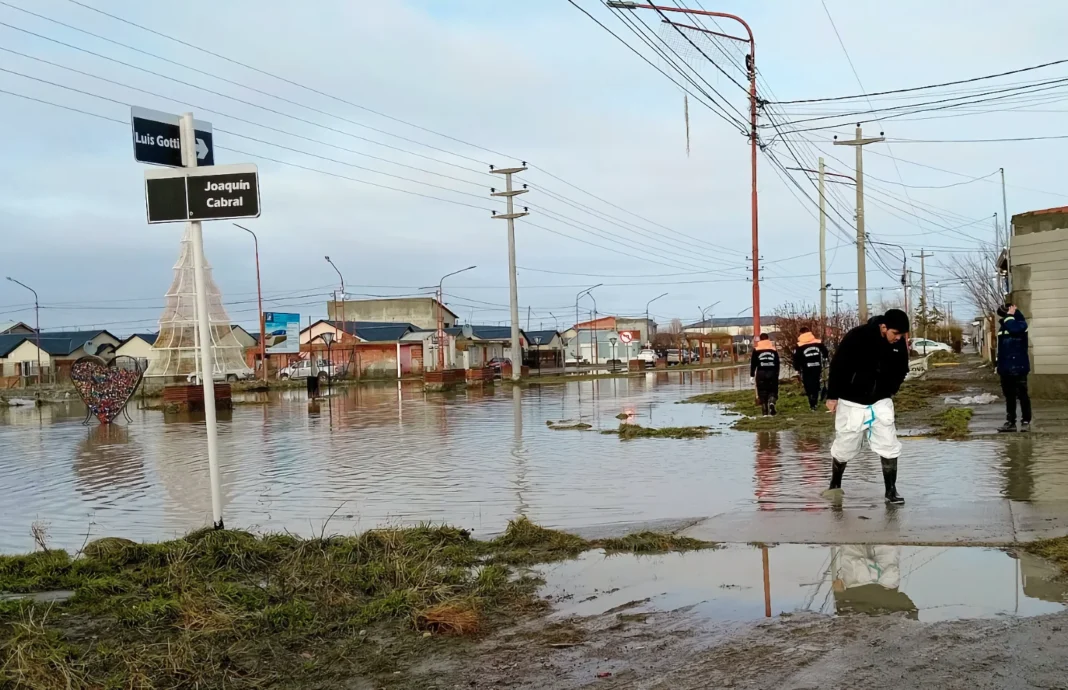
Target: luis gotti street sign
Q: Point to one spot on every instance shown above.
(157, 138)
(218, 192)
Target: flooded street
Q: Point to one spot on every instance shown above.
(392, 454)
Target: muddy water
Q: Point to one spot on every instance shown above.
(924, 583)
(393, 454)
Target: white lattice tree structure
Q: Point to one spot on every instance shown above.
(177, 343)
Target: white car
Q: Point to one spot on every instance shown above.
(303, 369)
(926, 347)
(648, 356)
(230, 376)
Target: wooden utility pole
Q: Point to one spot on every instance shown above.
(923, 287)
(862, 274)
(823, 257)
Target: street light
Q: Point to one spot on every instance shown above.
(37, 330)
(612, 340)
(441, 317)
(579, 344)
(703, 317)
(259, 301)
(328, 338)
(750, 65)
(342, 291)
(648, 333)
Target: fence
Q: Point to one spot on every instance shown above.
(24, 375)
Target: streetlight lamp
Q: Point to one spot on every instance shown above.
(342, 291)
(441, 317)
(612, 340)
(648, 331)
(259, 301)
(593, 324)
(37, 329)
(750, 64)
(579, 344)
(705, 309)
(328, 338)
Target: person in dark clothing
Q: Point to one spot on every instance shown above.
(809, 358)
(866, 372)
(764, 367)
(1014, 366)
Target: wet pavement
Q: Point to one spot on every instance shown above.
(392, 454)
(728, 585)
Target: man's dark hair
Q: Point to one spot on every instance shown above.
(897, 320)
(805, 329)
(763, 336)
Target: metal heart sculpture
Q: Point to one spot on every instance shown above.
(105, 387)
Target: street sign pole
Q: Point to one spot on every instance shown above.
(207, 366)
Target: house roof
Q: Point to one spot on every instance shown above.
(149, 338)
(374, 331)
(544, 337)
(728, 321)
(8, 326)
(57, 343)
(488, 332)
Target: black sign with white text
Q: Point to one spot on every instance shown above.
(213, 197)
(218, 192)
(157, 139)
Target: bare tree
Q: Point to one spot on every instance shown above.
(977, 272)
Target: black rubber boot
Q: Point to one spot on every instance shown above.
(837, 470)
(890, 479)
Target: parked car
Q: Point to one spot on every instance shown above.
(303, 369)
(648, 356)
(230, 376)
(926, 347)
(674, 357)
(497, 363)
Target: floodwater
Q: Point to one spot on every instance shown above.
(392, 454)
(925, 583)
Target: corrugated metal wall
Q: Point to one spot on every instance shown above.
(1040, 277)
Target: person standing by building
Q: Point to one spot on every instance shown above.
(809, 358)
(1013, 366)
(764, 368)
(867, 370)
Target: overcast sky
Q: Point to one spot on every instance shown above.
(534, 81)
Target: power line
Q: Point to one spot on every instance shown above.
(921, 88)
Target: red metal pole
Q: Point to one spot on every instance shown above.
(751, 67)
(259, 301)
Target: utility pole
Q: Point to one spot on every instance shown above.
(36, 330)
(837, 297)
(207, 355)
(1008, 235)
(862, 276)
(923, 287)
(823, 257)
(259, 302)
(513, 287)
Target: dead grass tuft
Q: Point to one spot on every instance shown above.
(450, 618)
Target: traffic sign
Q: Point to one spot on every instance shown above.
(157, 138)
(218, 192)
(625, 336)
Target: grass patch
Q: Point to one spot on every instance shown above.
(632, 431)
(622, 415)
(943, 357)
(952, 423)
(567, 425)
(232, 609)
(653, 542)
(1054, 550)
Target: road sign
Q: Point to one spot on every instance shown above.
(625, 336)
(157, 138)
(218, 192)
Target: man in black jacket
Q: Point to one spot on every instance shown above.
(866, 371)
(764, 368)
(809, 359)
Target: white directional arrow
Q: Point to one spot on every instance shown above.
(202, 149)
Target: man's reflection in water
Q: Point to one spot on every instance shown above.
(768, 469)
(866, 580)
(1018, 468)
(813, 466)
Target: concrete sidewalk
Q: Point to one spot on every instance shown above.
(989, 522)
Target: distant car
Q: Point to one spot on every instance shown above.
(674, 357)
(303, 369)
(926, 347)
(648, 356)
(497, 363)
(230, 376)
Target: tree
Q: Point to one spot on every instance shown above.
(790, 318)
(977, 272)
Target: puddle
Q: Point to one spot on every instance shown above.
(727, 585)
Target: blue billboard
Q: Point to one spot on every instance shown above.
(281, 333)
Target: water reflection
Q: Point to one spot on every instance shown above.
(390, 453)
(866, 579)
